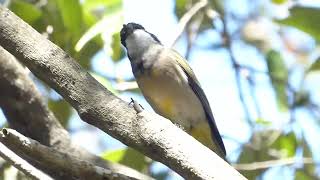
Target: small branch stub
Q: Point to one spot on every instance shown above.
(136, 106)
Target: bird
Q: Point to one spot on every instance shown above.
(170, 86)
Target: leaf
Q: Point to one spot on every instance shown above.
(279, 1)
(114, 155)
(307, 168)
(102, 5)
(71, 13)
(304, 18)
(183, 6)
(102, 80)
(315, 66)
(300, 174)
(278, 73)
(117, 52)
(180, 7)
(26, 11)
(128, 157)
(286, 144)
(108, 25)
(263, 122)
(61, 109)
(256, 150)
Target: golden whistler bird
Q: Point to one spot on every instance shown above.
(170, 86)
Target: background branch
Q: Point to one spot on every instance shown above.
(55, 160)
(236, 67)
(272, 163)
(21, 164)
(186, 18)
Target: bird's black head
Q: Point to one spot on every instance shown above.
(127, 30)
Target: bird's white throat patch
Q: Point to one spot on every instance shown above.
(138, 42)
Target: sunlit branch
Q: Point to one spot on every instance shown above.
(54, 159)
(272, 163)
(192, 34)
(186, 19)
(21, 164)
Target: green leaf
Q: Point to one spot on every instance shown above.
(180, 7)
(315, 66)
(108, 25)
(117, 52)
(102, 80)
(114, 155)
(286, 144)
(257, 150)
(279, 1)
(71, 13)
(278, 73)
(102, 5)
(183, 6)
(307, 168)
(263, 122)
(61, 109)
(128, 157)
(26, 11)
(300, 174)
(304, 18)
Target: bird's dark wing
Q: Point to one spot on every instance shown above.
(195, 86)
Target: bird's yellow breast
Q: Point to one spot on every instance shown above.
(171, 96)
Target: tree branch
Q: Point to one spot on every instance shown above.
(185, 19)
(272, 163)
(24, 107)
(21, 164)
(149, 133)
(54, 159)
(236, 66)
(28, 113)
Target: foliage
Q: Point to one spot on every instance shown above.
(305, 19)
(87, 28)
(128, 157)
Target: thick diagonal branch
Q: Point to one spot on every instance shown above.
(149, 133)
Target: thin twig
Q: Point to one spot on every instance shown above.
(237, 69)
(21, 164)
(272, 163)
(193, 34)
(252, 88)
(186, 19)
